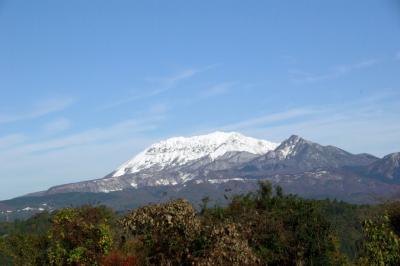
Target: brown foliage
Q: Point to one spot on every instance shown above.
(173, 217)
(227, 248)
(116, 258)
(165, 229)
(174, 235)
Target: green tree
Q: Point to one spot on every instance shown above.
(381, 244)
(24, 242)
(79, 236)
(284, 229)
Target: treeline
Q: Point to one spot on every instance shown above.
(262, 228)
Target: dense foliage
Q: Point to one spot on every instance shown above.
(262, 228)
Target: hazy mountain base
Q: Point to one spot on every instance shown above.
(327, 185)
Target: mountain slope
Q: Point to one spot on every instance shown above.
(387, 168)
(297, 155)
(219, 163)
(219, 157)
(179, 151)
(176, 161)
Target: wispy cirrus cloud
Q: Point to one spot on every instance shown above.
(144, 121)
(11, 140)
(56, 126)
(38, 110)
(269, 118)
(216, 90)
(300, 76)
(174, 79)
(368, 124)
(89, 153)
(356, 131)
(184, 74)
(204, 93)
(162, 85)
(91, 136)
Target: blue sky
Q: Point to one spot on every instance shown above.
(84, 85)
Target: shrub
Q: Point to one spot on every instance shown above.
(79, 236)
(381, 244)
(283, 229)
(226, 247)
(19, 249)
(167, 230)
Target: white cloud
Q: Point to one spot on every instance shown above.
(370, 124)
(163, 85)
(11, 140)
(335, 72)
(119, 130)
(204, 93)
(356, 132)
(57, 126)
(182, 75)
(40, 109)
(89, 154)
(158, 109)
(216, 90)
(269, 118)
(37, 172)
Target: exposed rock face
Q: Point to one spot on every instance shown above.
(297, 155)
(388, 168)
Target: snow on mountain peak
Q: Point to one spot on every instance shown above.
(180, 150)
(288, 147)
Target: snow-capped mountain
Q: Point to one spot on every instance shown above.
(218, 157)
(296, 154)
(180, 150)
(227, 163)
(176, 161)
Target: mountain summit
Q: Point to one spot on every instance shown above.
(296, 154)
(223, 163)
(216, 158)
(180, 150)
(176, 161)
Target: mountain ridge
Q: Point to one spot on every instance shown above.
(297, 154)
(298, 165)
(180, 150)
(164, 163)
(388, 168)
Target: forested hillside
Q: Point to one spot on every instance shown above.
(268, 227)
